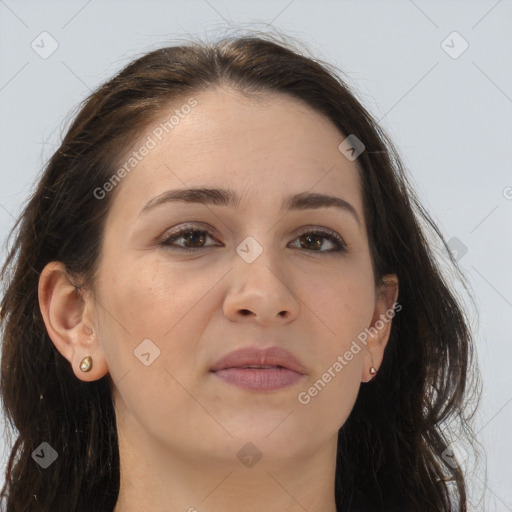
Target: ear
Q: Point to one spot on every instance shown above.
(68, 315)
(380, 326)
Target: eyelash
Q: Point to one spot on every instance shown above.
(340, 244)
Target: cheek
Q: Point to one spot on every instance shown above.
(149, 298)
(342, 306)
(331, 391)
(325, 403)
(150, 333)
(150, 308)
(345, 309)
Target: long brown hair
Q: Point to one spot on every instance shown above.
(391, 450)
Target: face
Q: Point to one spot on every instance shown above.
(253, 274)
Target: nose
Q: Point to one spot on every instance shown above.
(261, 291)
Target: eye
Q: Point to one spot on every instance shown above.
(312, 240)
(193, 236)
(194, 240)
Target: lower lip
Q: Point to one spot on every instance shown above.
(265, 379)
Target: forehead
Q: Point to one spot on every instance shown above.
(264, 147)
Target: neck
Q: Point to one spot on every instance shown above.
(157, 479)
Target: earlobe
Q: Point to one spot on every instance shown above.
(64, 311)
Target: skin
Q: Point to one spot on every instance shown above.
(181, 427)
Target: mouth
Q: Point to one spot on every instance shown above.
(259, 369)
(270, 378)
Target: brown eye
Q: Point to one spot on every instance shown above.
(313, 241)
(193, 239)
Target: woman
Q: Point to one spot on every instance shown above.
(220, 296)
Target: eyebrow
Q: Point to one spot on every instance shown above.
(229, 198)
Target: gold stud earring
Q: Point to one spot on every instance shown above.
(86, 364)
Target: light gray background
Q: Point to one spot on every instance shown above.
(451, 119)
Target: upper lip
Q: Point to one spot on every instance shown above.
(255, 356)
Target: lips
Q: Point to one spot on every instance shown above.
(257, 358)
